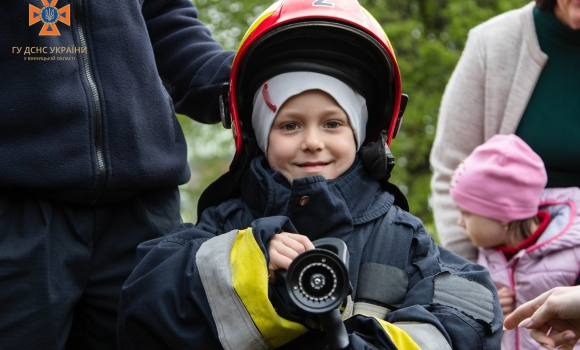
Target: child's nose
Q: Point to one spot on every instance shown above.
(460, 221)
(312, 141)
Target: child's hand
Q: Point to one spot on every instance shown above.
(506, 300)
(284, 247)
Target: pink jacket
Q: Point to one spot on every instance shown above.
(553, 261)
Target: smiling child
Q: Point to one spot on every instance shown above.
(315, 101)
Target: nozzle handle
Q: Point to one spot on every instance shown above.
(335, 330)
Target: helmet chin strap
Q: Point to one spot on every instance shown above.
(224, 101)
(377, 158)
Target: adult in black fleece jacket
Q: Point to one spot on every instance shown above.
(91, 154)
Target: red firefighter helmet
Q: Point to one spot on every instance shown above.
(333, 37)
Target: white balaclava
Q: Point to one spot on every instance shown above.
(272, 94)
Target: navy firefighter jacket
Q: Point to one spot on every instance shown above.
(85, 115)
(205, 286)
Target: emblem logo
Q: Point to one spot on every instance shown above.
(49, 15)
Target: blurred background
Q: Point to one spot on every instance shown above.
(428, 37)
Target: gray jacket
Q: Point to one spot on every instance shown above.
(487, 94)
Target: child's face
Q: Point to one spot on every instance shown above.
(311, 135)
(483, 232)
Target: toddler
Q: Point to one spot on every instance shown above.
(528, 236)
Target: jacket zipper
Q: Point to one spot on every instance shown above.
(96, 105)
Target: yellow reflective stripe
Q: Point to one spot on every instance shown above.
(401, 339)
(236, 329)
(250, 279)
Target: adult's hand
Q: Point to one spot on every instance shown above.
(553, 318)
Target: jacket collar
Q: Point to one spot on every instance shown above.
(316, 206)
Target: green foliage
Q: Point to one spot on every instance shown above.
(428, 36)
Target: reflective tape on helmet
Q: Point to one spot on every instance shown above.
(257, 22)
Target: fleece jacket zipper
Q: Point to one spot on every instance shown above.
(99, 186)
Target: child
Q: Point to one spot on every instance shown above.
(529, 238)
(314, 97)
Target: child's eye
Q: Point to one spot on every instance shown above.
(333, 125)
(290, 126)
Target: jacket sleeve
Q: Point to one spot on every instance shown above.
(192, 65)
(460, 128)
(196, 289)
(415, 289)
(457, 308)
(450, 303)
(162, 303)
(412, 294)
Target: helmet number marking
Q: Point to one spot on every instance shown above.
(323, 3)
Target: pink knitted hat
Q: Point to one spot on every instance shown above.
(501, 179)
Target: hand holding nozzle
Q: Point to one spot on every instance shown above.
(318, 283)
(285, 247)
